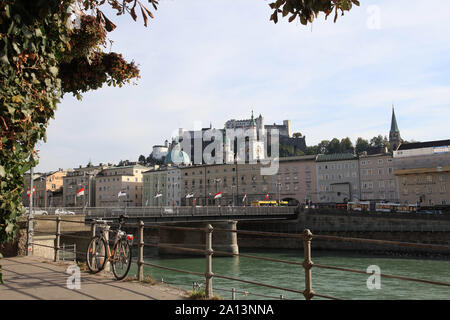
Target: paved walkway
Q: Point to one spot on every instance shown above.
(34, 278)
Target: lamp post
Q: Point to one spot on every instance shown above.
(278, 184)
(232, 191)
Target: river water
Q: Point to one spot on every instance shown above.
(340, 284)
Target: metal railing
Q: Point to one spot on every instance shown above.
(307, 237)
(133, 212)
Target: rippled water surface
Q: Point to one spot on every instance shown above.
(335, 283)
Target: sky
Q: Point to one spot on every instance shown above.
(208, 61)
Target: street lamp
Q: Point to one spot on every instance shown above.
(232, 191)
(278, 184)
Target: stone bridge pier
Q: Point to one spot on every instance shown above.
(221, 241)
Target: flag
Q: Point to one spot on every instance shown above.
(218, 195)
(121, 194)
(158, 195)
(28, 192)
(80, 192)
(245, 197)
(267, 196)
(189, 195)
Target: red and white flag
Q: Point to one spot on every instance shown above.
(267, 196)
(80, 192)
(28, 191)
(218, 195)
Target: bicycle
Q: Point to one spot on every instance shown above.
(99, 251)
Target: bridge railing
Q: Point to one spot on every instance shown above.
(306, 237)
(167, 211)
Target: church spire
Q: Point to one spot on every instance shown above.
(394, 135)
(394, 127)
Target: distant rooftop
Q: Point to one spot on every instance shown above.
(335, 157)
(427, 144)
(298, 158)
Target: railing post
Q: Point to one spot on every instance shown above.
(307, 264)
(233, 294)
(141, 252)
(208, 255)
(93, 229)
(58, 237)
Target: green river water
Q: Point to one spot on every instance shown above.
(340, 284)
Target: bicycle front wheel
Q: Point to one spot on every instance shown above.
(121, 259)
(96, 254)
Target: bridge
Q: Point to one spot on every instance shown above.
(178, 214)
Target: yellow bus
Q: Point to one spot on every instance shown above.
(358, 206)
(268, 203)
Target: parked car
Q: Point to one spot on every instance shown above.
(40, 212)
(61, 211)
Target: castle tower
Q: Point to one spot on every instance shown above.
(394, 135)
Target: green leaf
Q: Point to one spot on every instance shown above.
(2, 172)
(53, 70)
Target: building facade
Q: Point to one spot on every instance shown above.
(423, 172)
(82, 177)
(154, 189)
(48, 187)
(173, 186)
(378, 182)
(239, 184)
(119, 186)
(296, 179)
(337, 178)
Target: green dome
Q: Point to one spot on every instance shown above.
(177, 157)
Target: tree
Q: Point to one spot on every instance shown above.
(43, 57)
(142, 159)
(322, 147)
(379, 141)
(346, 146)
(361, 145)
(306, 11)
(334, 146)
(311, 150)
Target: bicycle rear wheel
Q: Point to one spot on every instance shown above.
(96, 254)
(121, 259)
